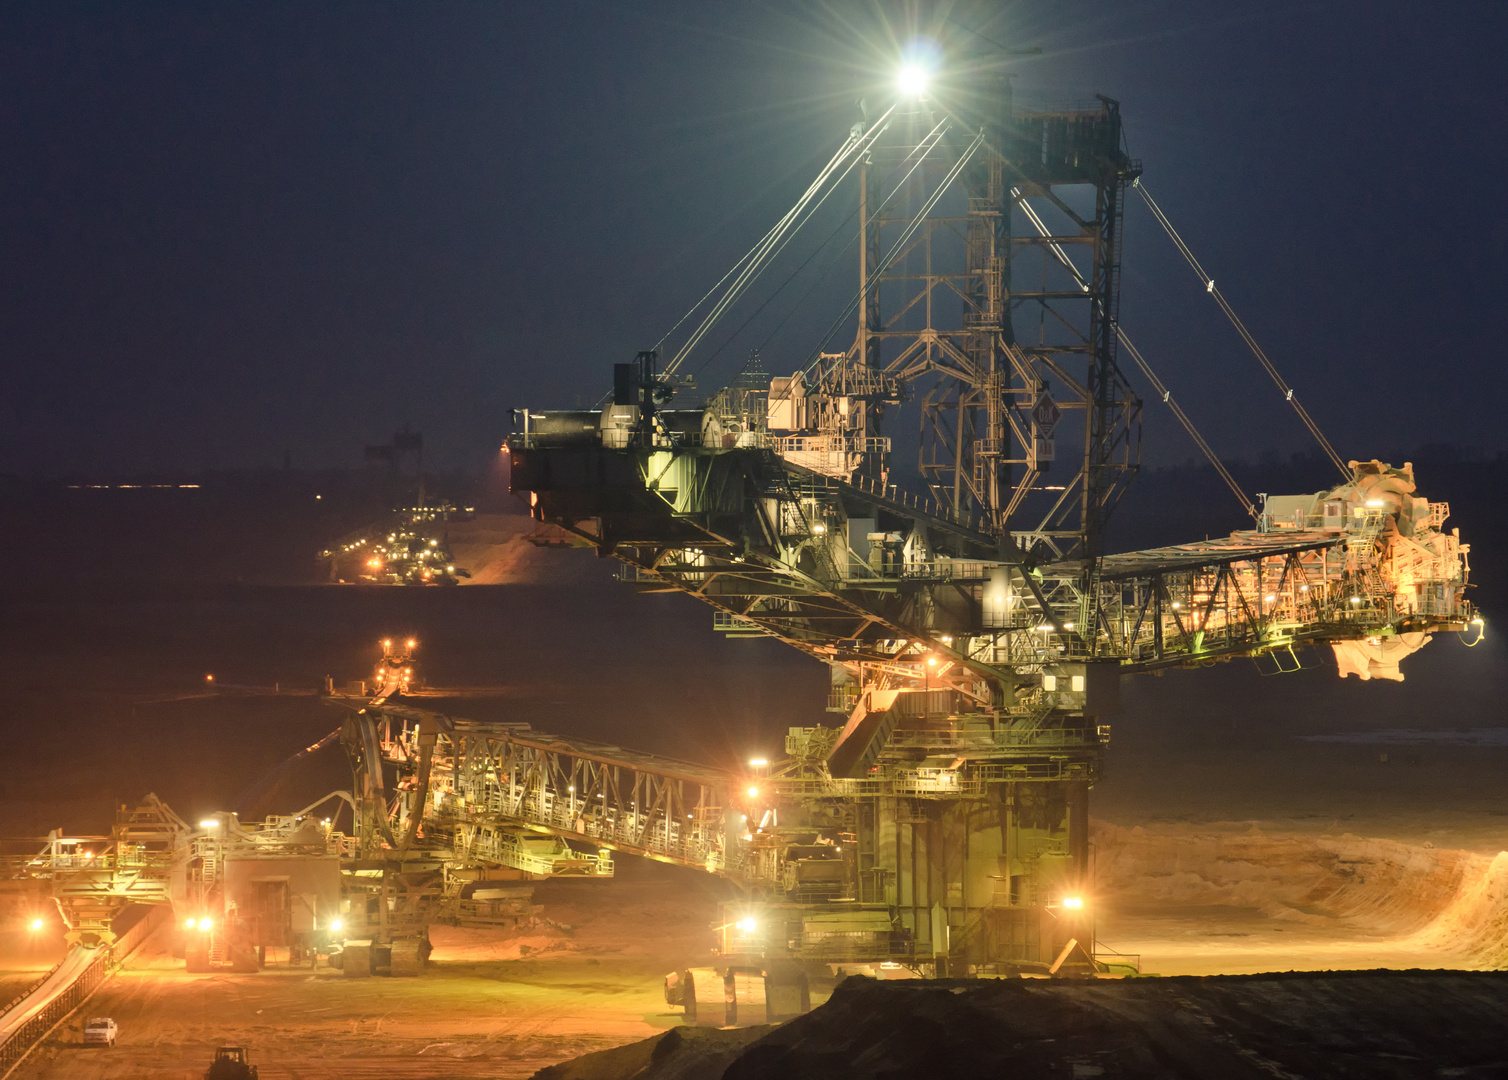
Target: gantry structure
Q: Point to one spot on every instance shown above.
(975, 627)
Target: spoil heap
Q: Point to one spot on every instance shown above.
(1379, 1024)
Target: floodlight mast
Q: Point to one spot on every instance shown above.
(988, 451)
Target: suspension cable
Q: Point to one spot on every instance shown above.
(1251, 342)
(925, 147)
(775, 240)
(905, 238)
(1146, 368)
(848, 145)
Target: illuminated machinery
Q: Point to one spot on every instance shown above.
(235, 888)
(411, 548)
(975, 629)
(394, 673)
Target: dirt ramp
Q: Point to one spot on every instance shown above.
(1380, 886)
(1346, 1024)
(1475, 922)
(1440, 901)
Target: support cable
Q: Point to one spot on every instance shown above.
(1267, 364)
(1141, 363)
(843, 150)
(925, 147)
(775, 240)
(900, 244)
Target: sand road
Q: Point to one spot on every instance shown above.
(494, 1004)
(459, 1021)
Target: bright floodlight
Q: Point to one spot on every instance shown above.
(335, 924)
(1072, 902)
(205, 924)
(758, 762)
(208, 823)
(912, 81)
(36, 924)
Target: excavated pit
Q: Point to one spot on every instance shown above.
(1324, 917)
(1195, 900)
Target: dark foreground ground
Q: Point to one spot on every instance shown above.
(1379, 1024)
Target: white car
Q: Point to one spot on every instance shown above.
(100, 1031)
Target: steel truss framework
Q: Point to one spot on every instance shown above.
(804, 586)
(943, 305)
(475, 794)
(975, 632)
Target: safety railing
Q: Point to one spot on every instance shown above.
(614, 828)
(828, 444)
(109, 958)
(24, 994)
(853, 945)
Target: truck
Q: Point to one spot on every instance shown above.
(231, 1063)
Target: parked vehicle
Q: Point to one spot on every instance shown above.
(100, 1031)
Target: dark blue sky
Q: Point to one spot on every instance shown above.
(230, 231)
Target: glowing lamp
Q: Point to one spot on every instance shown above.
(753, 793)
(758, 763)
(912, 81)
(209, 823)
(36, 924)
(204, 923)
(1073, 901)
(189, 925)
(748, 926)
(336, 924)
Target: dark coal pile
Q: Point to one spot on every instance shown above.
(1370, 1024)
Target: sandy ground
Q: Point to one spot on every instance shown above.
(1201, 901)
(1189, 900)
(580, 986)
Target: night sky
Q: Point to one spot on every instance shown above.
(235, 232)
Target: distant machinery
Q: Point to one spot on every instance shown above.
(235, 889)
(410, 547)
(975, 628)
(394, 673)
